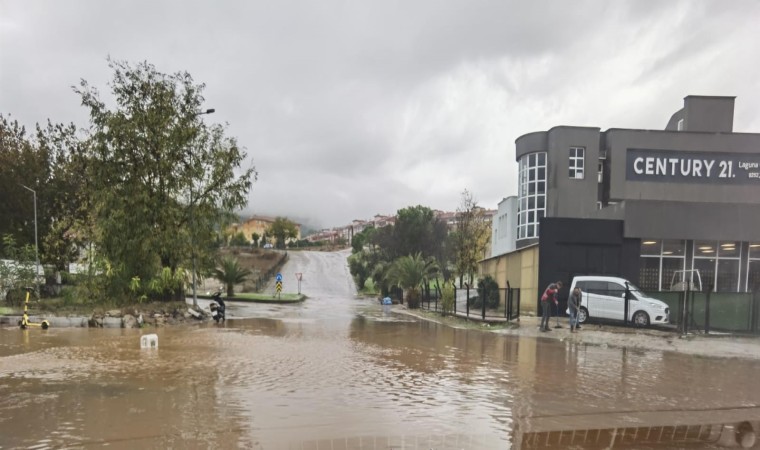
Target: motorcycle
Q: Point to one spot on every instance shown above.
(217, 307)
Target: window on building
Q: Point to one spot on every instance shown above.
(660, 260)
(600, 172)
(680, 125)
(753, 268)
(532, 194)
(577, 155)
(718, 264)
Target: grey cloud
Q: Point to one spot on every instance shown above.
(354, 108)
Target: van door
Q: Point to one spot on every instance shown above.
(595, 298)
(614, 300)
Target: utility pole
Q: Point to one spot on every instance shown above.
(192, 223)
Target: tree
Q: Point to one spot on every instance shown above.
(255, 237)
(161, 179)
(409, 272)
(281, 230)
(470, 238)
(230, 273)
(22, 162)
(363, 238)
(417, 231)
(238, 240)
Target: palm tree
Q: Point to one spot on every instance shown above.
(230, 273)
(409, 272)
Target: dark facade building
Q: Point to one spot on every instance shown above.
(686, 198)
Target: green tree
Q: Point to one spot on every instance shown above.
(491, 289)
(363, 238)
(230, 273)
(22, 161)
(281, 230)
(161, 179)
(473, 232)
(17, 274)
(409, 272)
(238, 240)
(255, 237)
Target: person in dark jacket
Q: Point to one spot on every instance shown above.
(550, 295)
(573, 303)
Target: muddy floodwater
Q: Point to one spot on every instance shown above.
(338, 372)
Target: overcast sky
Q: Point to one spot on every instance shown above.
(353, 108)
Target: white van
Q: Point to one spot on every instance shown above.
(603, 298)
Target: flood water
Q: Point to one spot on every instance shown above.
(339, 372)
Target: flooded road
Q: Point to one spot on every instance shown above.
(338, 372)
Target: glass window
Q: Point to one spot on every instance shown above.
(673, 247)
(649, 274)
(615, 289)
(753, 276)
(753, 268)
(729, 249)
(651, 247)
(660, 259)
(728, 275)
(718, 264)
(576, 162)
(669, 268)
(705, 249)
(532, 191)
(754, 250)
(706, 268)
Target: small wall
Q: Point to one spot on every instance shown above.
(520, 268)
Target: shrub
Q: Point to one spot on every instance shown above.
(447, 299)
(492, 293)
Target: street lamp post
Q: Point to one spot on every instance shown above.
(192, 222)
(36, 246)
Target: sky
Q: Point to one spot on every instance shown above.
(353, 108)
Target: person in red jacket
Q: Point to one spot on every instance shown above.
(550, 295)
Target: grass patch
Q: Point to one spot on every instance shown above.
(5, 310)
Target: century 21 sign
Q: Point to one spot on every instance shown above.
(692, 167)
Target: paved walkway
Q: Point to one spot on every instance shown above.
(660, 339)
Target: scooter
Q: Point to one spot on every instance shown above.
(217, 307)
(25, 323)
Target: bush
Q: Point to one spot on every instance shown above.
(447, 299)
(492, 293)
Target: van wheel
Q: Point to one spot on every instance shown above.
(582, 314)
(641, 319)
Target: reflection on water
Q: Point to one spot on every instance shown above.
(340, 373)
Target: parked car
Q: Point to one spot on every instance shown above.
(603, 298)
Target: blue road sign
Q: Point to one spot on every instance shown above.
(278, 277)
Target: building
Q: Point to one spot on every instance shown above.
(258, 225)
(654, 206)
(504, 227)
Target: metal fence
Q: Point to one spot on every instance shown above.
(499, 304)
(706, 311)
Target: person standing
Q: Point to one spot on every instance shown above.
(549, 295)
(573, 303)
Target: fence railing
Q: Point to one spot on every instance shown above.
(477, 303)
(706, 311)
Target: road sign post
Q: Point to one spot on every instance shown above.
(299, 276)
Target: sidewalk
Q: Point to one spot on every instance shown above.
(648, 339)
